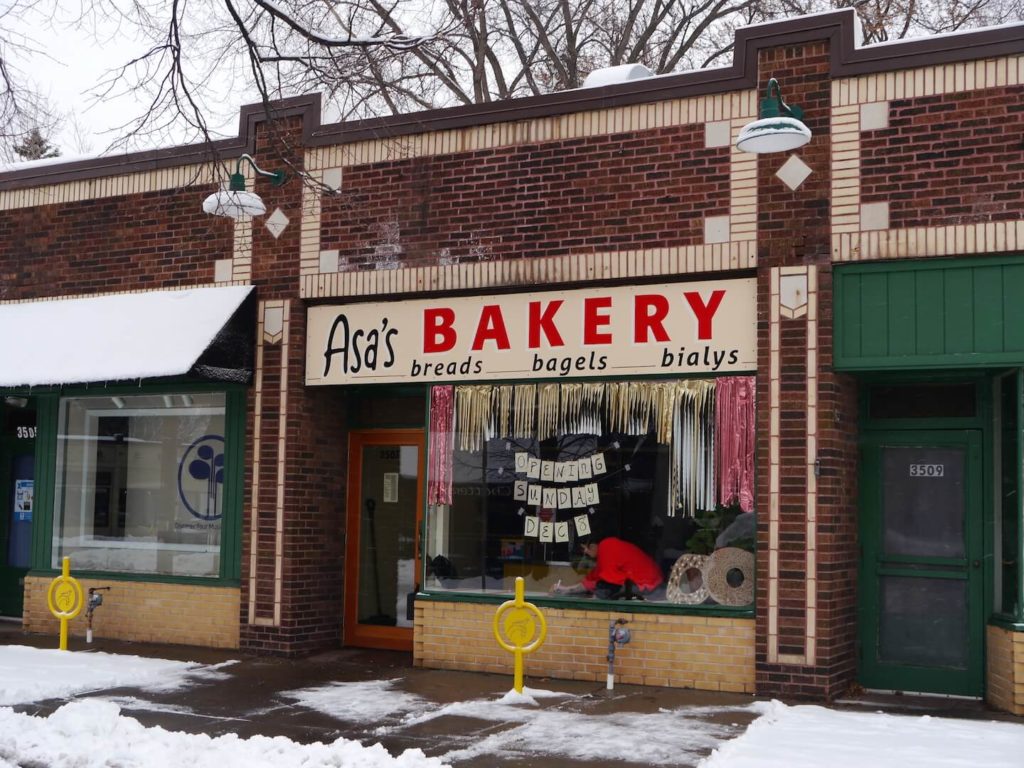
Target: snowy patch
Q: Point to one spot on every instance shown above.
(93, 734)
(366, 702)
(35, 674)
(812, 737)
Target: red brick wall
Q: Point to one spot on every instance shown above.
(794, 230)
(649, 190)
(315, 456)
(949, 159)
(144, 241)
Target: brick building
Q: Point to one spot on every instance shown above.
(467, 338)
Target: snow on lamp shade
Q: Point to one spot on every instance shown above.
(234, 204)
(773, 134)
(779, 127)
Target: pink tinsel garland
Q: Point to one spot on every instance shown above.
(442, 444)
(734, 425)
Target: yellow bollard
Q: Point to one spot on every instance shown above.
(520, 628)
(65, 599)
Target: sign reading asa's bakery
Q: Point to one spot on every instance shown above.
(639, 330)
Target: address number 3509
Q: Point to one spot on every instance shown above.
(927, 470)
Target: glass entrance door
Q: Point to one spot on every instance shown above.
(17, 501)
(385, 502)
(922, 622)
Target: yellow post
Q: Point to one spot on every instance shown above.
(65, 599)
(520, 629)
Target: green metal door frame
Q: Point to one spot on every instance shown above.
(11, 578)
(872, 672)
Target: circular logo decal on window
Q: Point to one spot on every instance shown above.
(201, 477)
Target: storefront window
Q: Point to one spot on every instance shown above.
(140, 483)
(658, 475)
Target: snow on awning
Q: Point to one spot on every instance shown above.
(205, 332)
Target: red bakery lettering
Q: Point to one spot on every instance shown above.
(542, 320)
(491, 327)
(704, 313)
(594, 320)
(649, 312)
(438, 331)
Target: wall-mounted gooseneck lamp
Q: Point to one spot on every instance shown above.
(235, 201)
(779, 128)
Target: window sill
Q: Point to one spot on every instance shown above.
(158, 578)
(1007, 622)
(592, 604)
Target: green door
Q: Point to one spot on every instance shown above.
(17, 497)
(921, 581)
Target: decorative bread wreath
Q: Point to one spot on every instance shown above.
(678, 588)
(720, 564)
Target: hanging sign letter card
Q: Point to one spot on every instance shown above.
(522, 461)
(531, 527)
(547, 532)
(533, 468)
(533, 495)
(597, 461)
(519, 490)
(561, 531)
(582, 525)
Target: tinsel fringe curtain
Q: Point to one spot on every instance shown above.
(709, 426)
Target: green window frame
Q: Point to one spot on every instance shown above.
(47, 411)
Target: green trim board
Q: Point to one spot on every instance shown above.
(928, 314)
(592, 604)
(140, 578)
(917, 630)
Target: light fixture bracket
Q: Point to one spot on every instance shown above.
(779, 127)
(773, 105)
(235, 201)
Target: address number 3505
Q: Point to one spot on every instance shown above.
(927, 470)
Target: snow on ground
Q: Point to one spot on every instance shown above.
(366, 702)
(812, 737)
(92, 733)
(35, 674)
(667, 737)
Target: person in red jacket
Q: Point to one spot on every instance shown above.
(622, 570)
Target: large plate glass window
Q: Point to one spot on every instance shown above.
(658, 474)
(140, 483)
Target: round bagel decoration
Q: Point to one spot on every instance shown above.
(678, 588)
(716, 575)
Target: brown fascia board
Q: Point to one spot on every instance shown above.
(220, 151)
(838, 27)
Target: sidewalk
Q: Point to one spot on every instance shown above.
(251, 697)
(250, 700)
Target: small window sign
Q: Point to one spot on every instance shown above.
(23, 500)
(927, 470)
(390, 487)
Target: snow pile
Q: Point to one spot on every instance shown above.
(34, 674)
(93, 734)
(812, 737)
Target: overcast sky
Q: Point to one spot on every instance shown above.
(68, 62)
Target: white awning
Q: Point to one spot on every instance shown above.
(117, 337)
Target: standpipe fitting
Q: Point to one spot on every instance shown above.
(618, 634)
(95, 601)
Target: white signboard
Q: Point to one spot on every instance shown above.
(639, 330)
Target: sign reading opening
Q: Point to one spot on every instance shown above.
(640, 330)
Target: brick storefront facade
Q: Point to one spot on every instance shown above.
(916, 157)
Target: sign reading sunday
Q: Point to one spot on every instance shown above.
(639, 330)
